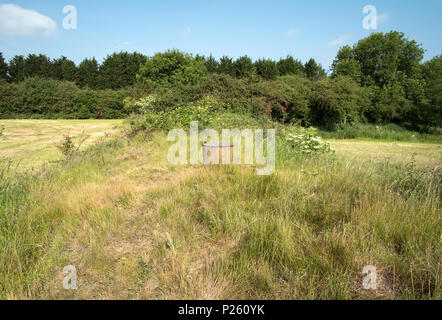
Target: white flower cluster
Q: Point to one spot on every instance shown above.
(306, 142)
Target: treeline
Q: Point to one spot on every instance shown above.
(119, 70)
(381, 79)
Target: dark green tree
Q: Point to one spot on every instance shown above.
(37, 66)
(267, 69)
(432, 73)
(172, 68)
(3, 68)
(289, 65)
(87, 74)
(226, 66)
(212, 64)
(345, 64)
(314, 70)
(119, 70)
(64, 69)
(244, 67)
(16, 69)
(383, 56)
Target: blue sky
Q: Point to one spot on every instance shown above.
(271, 29)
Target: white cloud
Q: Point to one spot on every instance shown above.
(16, 21)
(292, 32)
(339, 41)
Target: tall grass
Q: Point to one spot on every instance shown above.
(307, 231)
(38, 216)
(389, 132)
(152, 231)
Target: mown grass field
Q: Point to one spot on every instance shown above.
(33, 142)
(136, 227)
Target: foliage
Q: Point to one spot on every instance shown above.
(87, 75)
(171, 69)
(47, 98)
(313, 70)
(389, 132)
(337, 101)
(16, 69)
(267, 69)
(432, 73)
(300, 140)
(290, 66)
(3, 68)
(244, 67)
(67, 146)
(119, 70)
(226, 66)
(298, 92)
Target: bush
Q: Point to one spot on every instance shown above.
(338, 101)
(110, 104)
(172, 68)
(298, 93)
(68, 147)
(87, 102)
(299, 140)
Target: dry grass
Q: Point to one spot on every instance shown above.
(395, 152)
(32, 142)
(138, 228)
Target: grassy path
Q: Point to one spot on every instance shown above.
(136, 227)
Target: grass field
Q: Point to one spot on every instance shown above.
(33, 142)
(136, 227)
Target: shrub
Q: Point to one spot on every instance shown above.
(298, 93)
(299, 140)
(172, 68)
(68, 147)
(338, 101)
(110, 104)
(86, 104)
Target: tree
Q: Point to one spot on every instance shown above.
(383, 56)
(267, 69)
(212, 64)
(244, 67)
(37, 66)
(226, 66)
(432, 74)
(172, 68)
(119, 70)
(16, 69)
(314, 70)
(291, 66)
(64, 69)
(345, 64)
(87, 74)
(337, 101)
(3, 68)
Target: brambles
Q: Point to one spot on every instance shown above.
(67, 146)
